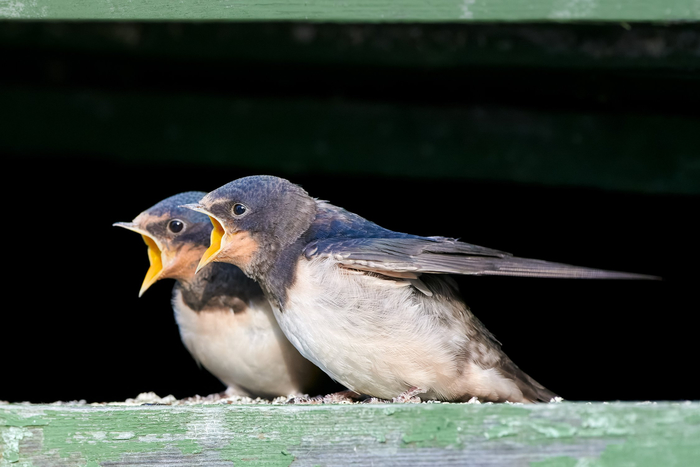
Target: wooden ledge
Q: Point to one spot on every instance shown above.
(567, 434)
(375, 11)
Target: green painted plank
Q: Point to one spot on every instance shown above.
(621, 151)
(563, 434)
(386, 46)
(357, 10)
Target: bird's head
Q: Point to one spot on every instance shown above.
(176, 238)
(254, 218)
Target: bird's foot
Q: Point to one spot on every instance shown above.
(410, 396)
(196, 399)
(341, 397)
(229, 393)
(210, 399)
(376, 400)
(301, 399)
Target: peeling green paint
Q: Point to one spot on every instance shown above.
(72, 434)
(545, 435)
(379, 10)
(263, 443)
(443, 429)
(559, 461)
(693, 419)
(10, 441)
(11, 418)
(679, 452)
(69, 434)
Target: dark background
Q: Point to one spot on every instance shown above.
(73, 327)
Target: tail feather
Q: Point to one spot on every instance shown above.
(531, 389)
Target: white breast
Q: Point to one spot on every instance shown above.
(368, 333)
(379, 336)
(247, 351)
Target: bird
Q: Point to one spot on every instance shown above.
(377, 310)
(225, 321)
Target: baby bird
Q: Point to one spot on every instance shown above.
(225, 321)
(373, 308)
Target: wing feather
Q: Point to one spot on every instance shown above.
(439, 255)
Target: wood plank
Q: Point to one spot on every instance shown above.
(358, 10)
(614, 151)
(563, 434)
(589, 106)
(649, 47)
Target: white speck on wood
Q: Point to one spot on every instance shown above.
(17, 9)
(573, 9)
(151, 398)
(11, 9)
(466, 9)
(10, 439)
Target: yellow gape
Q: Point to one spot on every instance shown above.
(154, 257)
(217, 234)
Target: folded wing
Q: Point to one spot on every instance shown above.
(439, 255)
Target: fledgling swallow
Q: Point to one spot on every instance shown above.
(225, 321)
(373, 308)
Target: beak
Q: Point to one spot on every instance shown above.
(218, 236)
(155, 255)
(217, 240)
(196, 207)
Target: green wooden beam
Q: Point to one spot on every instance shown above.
(544, 435)
(412, 47)
(357, 10)
(629, 152)
(577, 105)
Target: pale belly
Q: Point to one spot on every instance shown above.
(373, 335)
(245, 350)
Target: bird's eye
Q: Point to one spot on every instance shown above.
(176, 225)
(239, 209)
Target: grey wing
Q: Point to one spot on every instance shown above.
(439, 255)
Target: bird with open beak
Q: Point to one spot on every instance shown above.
(225, 321)
(373, 308)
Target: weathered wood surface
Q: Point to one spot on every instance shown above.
(576, 105)
(564, 434)
(354, 10)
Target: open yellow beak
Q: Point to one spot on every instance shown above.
(156, 261)
(154, 255)
(217, 240)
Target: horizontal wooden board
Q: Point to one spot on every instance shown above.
(358, 10)
(574, 105)
(649, 47)
(616, 151)
(546, 435)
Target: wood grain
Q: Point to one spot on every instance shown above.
(563, 434)
(357, 10)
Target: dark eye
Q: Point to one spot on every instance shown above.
(176, 225)
(239, 209)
